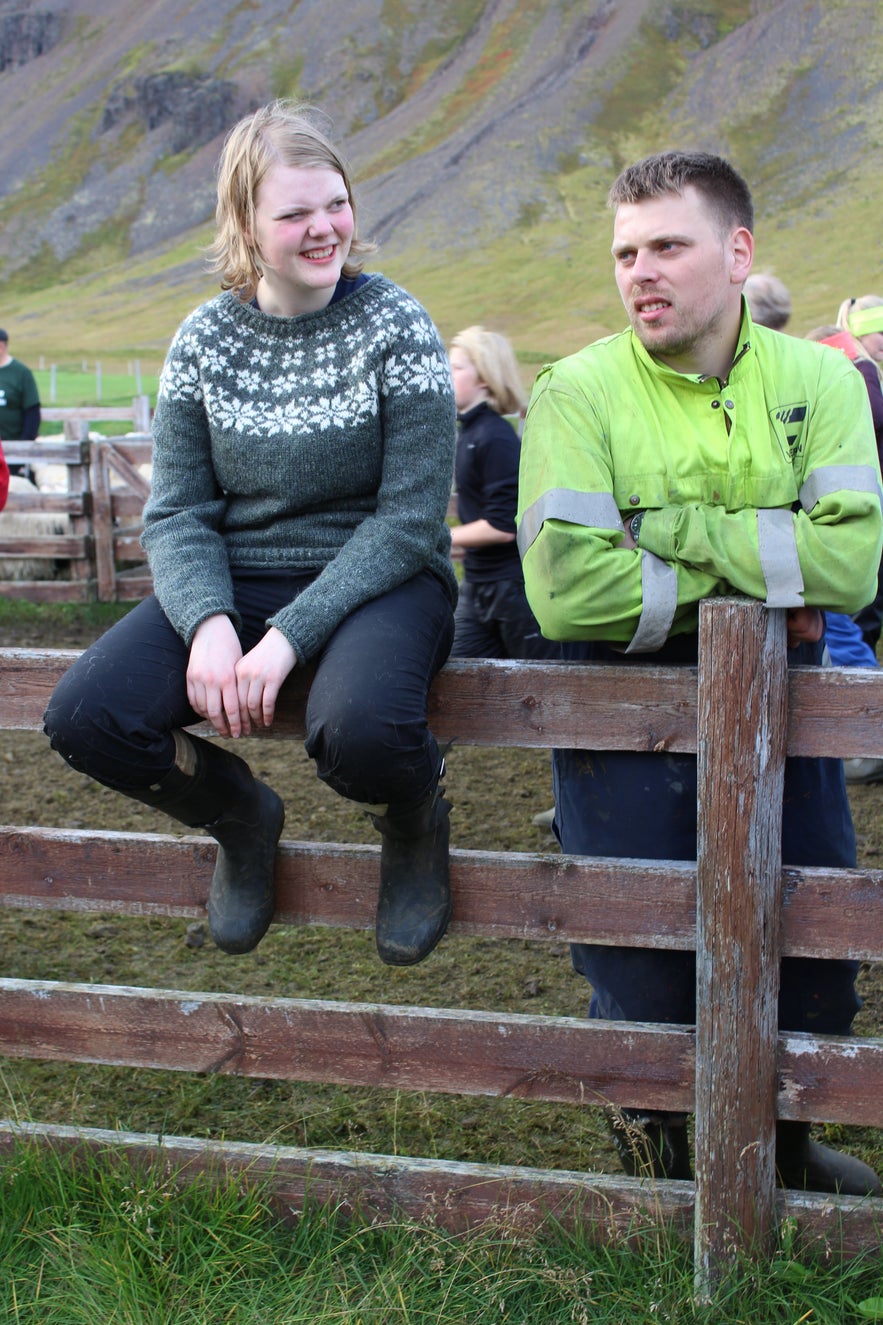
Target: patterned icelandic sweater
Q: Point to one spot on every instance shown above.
(321, 443)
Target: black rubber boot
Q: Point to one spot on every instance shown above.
(211, 788)
(807, 1165)
(651, 1145)
(414, 904)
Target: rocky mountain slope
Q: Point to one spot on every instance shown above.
(469, 124)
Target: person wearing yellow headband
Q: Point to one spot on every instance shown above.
(864, 318)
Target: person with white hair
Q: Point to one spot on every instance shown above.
(768, 300)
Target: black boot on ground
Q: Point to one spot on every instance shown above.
(211, 788)
(651, 1145)
(414, 903)
(807, 1165)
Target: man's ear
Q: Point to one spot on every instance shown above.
(741, 254)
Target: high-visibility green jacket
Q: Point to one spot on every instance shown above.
(766, 484)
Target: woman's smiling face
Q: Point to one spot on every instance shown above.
(302, 234)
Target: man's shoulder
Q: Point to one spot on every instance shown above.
(782, 357)
(17, 370)
(597, 359)
(783, 348)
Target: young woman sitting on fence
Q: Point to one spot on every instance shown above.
(303, 453)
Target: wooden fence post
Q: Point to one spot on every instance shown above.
(741, 743)
(141, 414)
(102, 526)
(78, 484)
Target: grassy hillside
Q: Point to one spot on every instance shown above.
(483, 155)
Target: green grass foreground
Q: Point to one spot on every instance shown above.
(86, 1240)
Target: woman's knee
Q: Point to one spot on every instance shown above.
(347, 741)
(71, 720)
(368, 754)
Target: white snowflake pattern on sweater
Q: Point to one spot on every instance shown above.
(321, 443)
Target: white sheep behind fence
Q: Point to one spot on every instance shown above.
(28, 524)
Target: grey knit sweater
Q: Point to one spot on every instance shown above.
(321, 443)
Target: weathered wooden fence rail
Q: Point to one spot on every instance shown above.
(138, 414)
(740, 710)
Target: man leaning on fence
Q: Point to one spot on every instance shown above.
(690, 456)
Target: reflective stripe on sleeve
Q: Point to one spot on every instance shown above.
(659, 588)
(779, 562)
(837, 478)
(597, 510)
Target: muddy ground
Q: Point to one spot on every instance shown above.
(495, 795)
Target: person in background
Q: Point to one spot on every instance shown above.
(769, 303)
(861, 320)
(4, 478)
(633, 507)
(493, 619)
(845, 643)
(768, 300)
(303, 452)
(843, 339)
(19, 403)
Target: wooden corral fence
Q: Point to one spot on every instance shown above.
(137, 415)
(742, 711)
(97, 511)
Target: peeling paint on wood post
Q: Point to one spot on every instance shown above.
(741, 742)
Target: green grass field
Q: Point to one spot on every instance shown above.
(103, 383)
(86, 1240)
(95, 383)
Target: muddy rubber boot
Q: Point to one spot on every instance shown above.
(651, 1145)
(807, 1165)
(414, 903)
(211, 788)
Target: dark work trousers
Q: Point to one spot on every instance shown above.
(619, 803)
(494, 620)
(113, 712)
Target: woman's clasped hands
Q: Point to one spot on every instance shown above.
(232, 690)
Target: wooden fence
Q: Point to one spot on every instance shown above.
(742, 712)
(98, 513)
(137, 414)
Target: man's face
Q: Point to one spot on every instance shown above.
(680, 278)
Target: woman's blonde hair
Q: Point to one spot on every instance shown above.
(286, 133)
(494, 361)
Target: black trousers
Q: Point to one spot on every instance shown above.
(494, 620)
(620, 803)
(113, 713)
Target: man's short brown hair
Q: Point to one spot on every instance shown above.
(722, 187)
